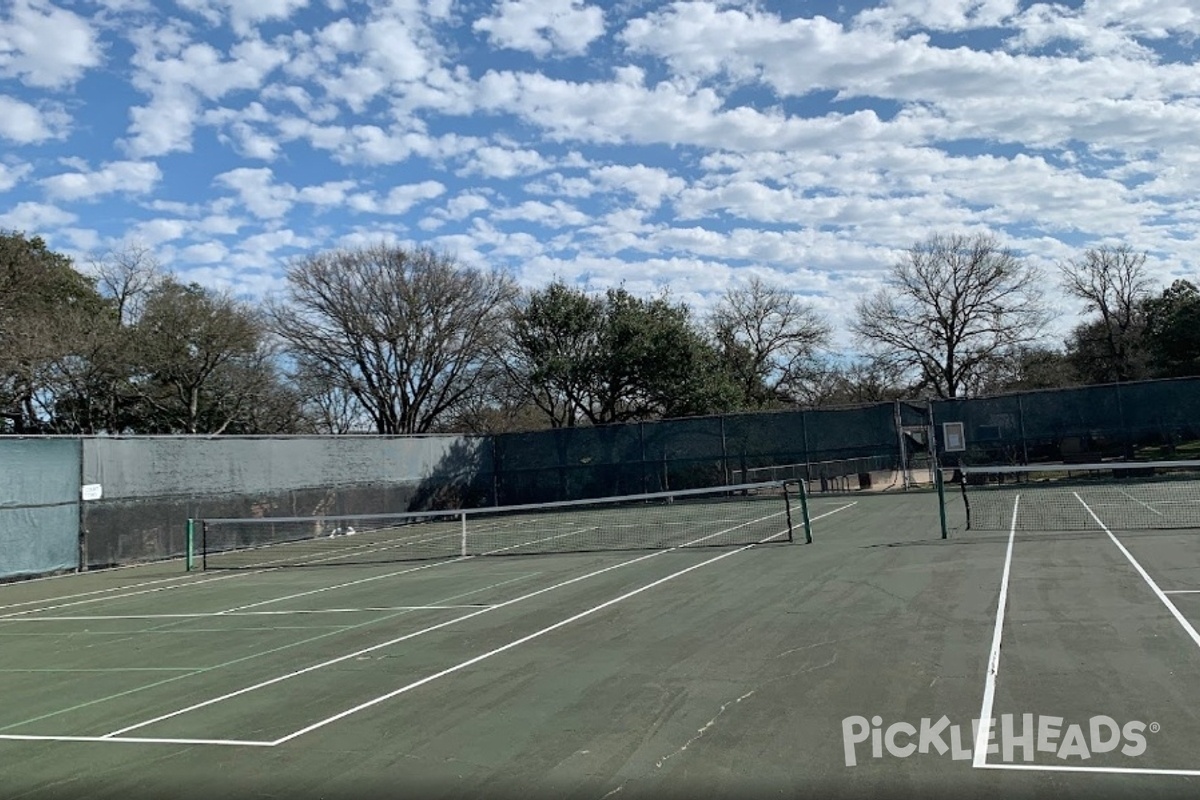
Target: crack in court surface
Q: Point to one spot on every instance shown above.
(703, 730)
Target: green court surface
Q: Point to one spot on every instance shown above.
(729, 672)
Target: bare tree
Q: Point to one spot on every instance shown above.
(408, 333)
(329, 406)
(954, 305)
(769, 338)
(1112, 283)
(127, 274)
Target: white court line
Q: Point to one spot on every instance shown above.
(1166, 601)
(24, 737)
(1106, 770)
(515, 643)
(13, 614)
(258, 654)
(1181, 591)
(101, 669)
(986, 712)
(184, 576)
(1139, 502)
(993, 667)
(429, 629)
(113, 737)
(358, 582)
(104, 617)
(78, 573)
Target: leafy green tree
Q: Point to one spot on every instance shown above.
(202, 363)
(43, 299)
(592, 359)
(1173, 330)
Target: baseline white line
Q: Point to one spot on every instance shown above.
(1181, 591)
(422, 631)
(21, 737)
(78, 573)
(102, 617)
(99, 669)
(515, 643)
(1139, 502)
(993, 666)
(27, 611)
(94, 592)
(1105, 770)
(1166, 601)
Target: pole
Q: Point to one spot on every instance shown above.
(935, 464)
(191, 544)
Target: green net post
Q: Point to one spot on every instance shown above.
(940, 483)
(803, 492)
(935, 464)
(189, 560)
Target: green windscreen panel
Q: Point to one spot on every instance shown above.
(39, 506)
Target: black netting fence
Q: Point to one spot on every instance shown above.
(1130, 421)
(837, 447)
(699, 452)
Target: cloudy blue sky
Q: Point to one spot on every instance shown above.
(689, 143)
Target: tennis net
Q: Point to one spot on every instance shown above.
(1062, 497)
(731, 515)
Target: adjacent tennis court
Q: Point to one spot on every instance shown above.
(712, 657)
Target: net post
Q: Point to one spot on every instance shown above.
(190, 545)
(203, 545)
(803, 492)
(463, 516)
(787, 508)
(940, 482)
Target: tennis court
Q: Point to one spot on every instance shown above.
(749, 668)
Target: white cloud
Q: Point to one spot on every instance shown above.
(134, 177)
(544, 26)
(649, 184)
(12, 174)
(163, 126)
(398, 200)
(35, 217)
(331, 193)
(552, 215)
(178, 74)
(25, 124)
(502, 162)
(464, 205)
(941, 15)
(242, 15)
(46, 46)
(154, 232)
(205, 253)
(258, 192)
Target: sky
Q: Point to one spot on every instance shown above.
(689, 145)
